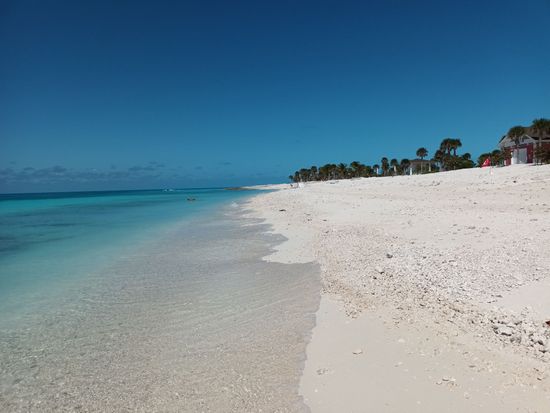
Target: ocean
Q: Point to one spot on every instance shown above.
(148, 301)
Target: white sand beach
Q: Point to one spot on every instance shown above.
(436, 289)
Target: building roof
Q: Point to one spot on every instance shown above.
(418, 160)
(530, 133)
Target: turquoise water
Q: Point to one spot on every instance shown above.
(146, 301)
(48, 241)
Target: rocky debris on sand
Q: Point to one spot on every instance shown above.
(520, 329)
(448, 283)
(405, 257)
(504, 331)
(447, 378)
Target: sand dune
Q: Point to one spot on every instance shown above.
(436, 289)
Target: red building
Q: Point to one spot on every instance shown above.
(523, 151)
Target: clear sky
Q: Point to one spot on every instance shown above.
(154, 94)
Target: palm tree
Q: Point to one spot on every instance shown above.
(357, 168)
(440, 157)
(445, 146)
(394, 164)
(515, 133)
(422, 153)
(454, 144)
(334, 171)
(324, 172)
(405, 163)
(342, 170)
(542, 127)
(313, 173)
(385, 165)
(304, 174)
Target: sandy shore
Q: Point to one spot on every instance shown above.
(436, 289)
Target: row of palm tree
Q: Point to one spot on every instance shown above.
(444, 158)
(332, 171)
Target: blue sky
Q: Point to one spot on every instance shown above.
(134, 94)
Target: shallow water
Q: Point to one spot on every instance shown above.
(49, 241)
(190, 320)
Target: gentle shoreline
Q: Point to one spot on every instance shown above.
(436, 281)
(186, 319)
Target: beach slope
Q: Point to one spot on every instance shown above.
(436, 289)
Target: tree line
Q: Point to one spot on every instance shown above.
(445, 158)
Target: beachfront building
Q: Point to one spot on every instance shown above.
(522, 150)
(418, 166)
